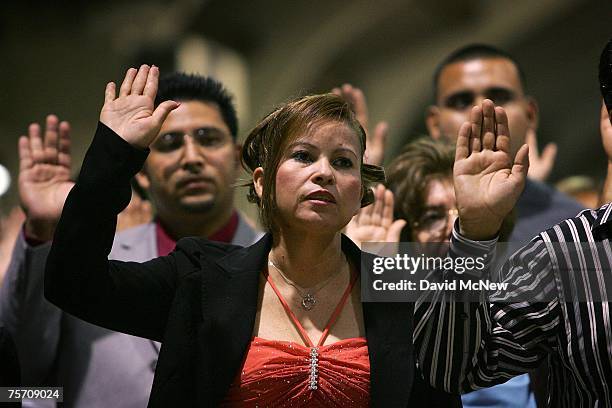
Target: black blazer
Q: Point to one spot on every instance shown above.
(200, 301)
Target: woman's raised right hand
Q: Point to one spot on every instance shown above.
(131, 114)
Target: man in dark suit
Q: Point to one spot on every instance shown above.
(9, 369)
(188, 177)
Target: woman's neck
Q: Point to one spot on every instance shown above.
(307, 259)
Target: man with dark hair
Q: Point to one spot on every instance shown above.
(188, 177)
(477, 72)
(471, 52)
(462, 80)
(555, 307)
(183, 87)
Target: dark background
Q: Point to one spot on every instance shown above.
(57, 57)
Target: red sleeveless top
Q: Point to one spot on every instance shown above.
(279, 373)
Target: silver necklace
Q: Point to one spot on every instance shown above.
(308, 294)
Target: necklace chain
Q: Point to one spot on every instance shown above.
(308, 294)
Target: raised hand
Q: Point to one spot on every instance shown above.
(44, 176)
(132, 115)
(374, 223)
(540, 165)
(487, 182)
(137, 212)
(375, 142)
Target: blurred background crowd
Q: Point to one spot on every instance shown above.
(58, 56)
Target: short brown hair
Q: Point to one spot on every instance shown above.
(409, 174)
(265, 145)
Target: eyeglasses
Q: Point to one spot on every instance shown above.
(435, 219)
(208, 137)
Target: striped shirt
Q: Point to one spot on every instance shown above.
(555, 308)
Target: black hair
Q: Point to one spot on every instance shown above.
(179, 86)
(472, 52)
(605, 75)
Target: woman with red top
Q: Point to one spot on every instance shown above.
(280, 323)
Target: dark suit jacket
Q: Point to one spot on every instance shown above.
(9, 363)
(200, 301)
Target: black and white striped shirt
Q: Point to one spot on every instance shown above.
(556, 308)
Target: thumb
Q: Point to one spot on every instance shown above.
(380, 133)
(532, 141)
(163, 110)
(549, 153)
(375, 149)
(395, 230)
(521, 162)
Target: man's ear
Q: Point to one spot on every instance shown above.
(258, 180)
(432, 120)
(533, 112)
(142, 179)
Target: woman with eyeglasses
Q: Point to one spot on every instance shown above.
(421, 179)
(279, 323)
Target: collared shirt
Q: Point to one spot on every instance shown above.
(166, 244)
(556, 308)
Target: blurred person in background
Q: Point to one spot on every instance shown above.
(10, 225)
(421, 180)
(138, 212)
(375, 153)
(583, 189)
(462, 80)
(188, 178)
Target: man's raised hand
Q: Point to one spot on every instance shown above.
(487, 182)
(375, 143)
(540, 164)
(131, 114)
(374, 223)
(44, 176)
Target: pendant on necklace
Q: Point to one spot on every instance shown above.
(308, 301)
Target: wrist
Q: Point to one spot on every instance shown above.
(479, 231)
(39, 230)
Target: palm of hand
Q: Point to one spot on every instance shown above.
(484, 184)
(131, 118)
(43, 189)
(132, 114)
(366, 233)
(487, 182)
(375, 223)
